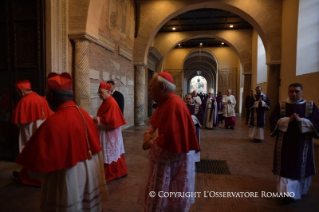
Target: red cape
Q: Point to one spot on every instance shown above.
(29, 109)
(60, 141)
(176, 132)
(110, 113)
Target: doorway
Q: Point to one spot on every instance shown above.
(22, 56)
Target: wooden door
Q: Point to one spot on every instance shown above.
(22, 57)
(227, 78)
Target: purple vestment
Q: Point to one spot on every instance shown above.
(293, 155)
(198, 112)
(260, 112)
(220, 106)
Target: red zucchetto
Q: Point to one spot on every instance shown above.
(167, 76)
(106, 86)
(57, 81)
(25, 84)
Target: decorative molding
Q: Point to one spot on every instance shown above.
(106, 42)
(102, 40)
(273, 62)
(83, 35)
(140, 64)
(150, 64)
(154, 53)
(125, 53)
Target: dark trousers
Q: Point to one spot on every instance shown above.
(247, 115)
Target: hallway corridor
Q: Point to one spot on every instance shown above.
(249, 163)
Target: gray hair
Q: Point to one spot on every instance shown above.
(168, 85)
(260, 88)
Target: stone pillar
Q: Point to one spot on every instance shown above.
(247, 88)
(273, 80)
(82, 74)
(139, 94)
(57, 36)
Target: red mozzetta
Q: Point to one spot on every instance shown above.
(54, 149)
(172, 117)
(29, 109)
(110, 113)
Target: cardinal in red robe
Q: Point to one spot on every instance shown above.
(109, 120)
(172, 141)
(65, 151)
(31, 111)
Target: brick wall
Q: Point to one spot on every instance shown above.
(105, 65)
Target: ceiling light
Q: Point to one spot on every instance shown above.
(222, 43)
(173, 28)
(201, 44)
(179, 44)
(231, 26)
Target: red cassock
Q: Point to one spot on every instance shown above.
(111, 116)
(29, 109)
(176, 133)
(53, 148)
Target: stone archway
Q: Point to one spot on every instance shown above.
(156, 13)
(238, 40)
(204, 61)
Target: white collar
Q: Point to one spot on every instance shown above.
(300, 101)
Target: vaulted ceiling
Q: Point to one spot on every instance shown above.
(204, 20)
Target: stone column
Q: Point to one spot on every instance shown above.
(247, 88)
(273, 80)
(139, 94)
(82, 74)
(57, 36)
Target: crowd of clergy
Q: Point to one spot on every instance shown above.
(72, 155)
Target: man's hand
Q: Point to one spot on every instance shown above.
(259, 100)
(297, 117)
(147, 141)
(95, 120)
(294, 116)
(229, 102)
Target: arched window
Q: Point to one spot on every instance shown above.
(199, 84)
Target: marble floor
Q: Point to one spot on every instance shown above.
(250, 165)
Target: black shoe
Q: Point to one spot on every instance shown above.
(232, 128)
(257, 140)
(16, 175)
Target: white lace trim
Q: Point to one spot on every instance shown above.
(111, 143)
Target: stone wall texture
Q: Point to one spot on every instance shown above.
(110, 65)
